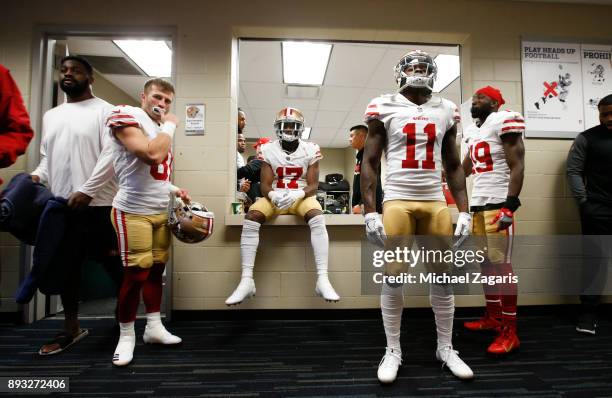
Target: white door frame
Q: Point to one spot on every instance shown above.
(43, 38)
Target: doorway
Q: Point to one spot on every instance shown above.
(122, 60)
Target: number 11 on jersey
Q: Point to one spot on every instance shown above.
(411, 162)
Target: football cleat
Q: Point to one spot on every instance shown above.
(506, 342)
(124, 353)
(587, 324)
(484, 323)
(158, 334)
(389, 365)
(325, 289)
(450, 358)
(245, 290)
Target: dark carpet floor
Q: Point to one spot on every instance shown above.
(291, 358)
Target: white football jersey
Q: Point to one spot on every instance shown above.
(414, 144)
(489, 166)
(290, 168)
(143, 188)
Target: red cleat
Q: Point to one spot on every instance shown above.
(505, 343)
(484, 323)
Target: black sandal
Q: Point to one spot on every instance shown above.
(64, 340)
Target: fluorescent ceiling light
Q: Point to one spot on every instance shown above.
(448, 71)
(306, 133)
(152, 56)
(305, 62)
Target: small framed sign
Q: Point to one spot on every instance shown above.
(195, 119)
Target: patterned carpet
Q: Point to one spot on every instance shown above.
(310, 358)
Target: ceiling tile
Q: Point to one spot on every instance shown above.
(263, 95)
(260, 61)
(322, 136)
(338, 98)
(329, 119)
(352, 65)
(305, 105)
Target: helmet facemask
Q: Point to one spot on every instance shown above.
(288, 131)
(416, 69)
(289, 124)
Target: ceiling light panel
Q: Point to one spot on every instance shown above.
(305, 62)
(154, 57)
(449, 69)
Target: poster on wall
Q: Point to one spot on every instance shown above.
(194, 119)
(596, 79)
(552, 89)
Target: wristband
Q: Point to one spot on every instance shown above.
(168, 128)
(512, 203)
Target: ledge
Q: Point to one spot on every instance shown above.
(330, 219)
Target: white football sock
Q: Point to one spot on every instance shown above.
(125, 347)
(249, 240)
(320, 243)
(442, 302)
(155, 332)
(391, 307)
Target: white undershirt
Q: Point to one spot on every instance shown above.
(73, 138)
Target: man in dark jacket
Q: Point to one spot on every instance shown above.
(589, 173)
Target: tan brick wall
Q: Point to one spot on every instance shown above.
(489, 32)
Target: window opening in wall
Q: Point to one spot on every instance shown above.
(348, 75)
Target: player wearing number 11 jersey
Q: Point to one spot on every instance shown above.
(417, 133)
(289, 181)
(143, 159)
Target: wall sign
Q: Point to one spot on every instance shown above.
(194, 119)
(561, 82)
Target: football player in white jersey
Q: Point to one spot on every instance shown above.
(417, 133)
(496, 158)
(143, 164)
(289, 182)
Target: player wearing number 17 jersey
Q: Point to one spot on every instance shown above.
(143, 160)
(496, 159)
(289, 181)
(417, 133)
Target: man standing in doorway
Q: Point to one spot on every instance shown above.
(72, 146)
